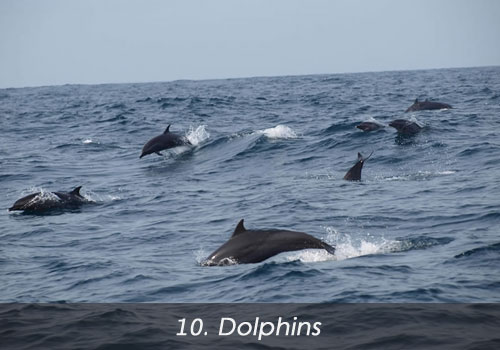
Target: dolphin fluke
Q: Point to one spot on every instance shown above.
(354, 174)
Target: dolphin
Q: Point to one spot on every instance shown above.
(369, 126)
(405, 127)
(429, 105)
(354, 174)
(37, 202)
(164, 141)
(253, 246)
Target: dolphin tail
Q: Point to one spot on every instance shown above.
(328, 248)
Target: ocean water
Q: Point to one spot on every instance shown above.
(421, 226)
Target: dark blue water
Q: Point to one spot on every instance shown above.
(421, 226)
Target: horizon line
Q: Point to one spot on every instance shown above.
(243, 77)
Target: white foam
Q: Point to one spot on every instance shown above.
(420, 175)
(200, 255)
(197, 135)
(346, 247)
(279, 132)
(87, 141)
(94, 197)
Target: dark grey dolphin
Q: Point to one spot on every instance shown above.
(253, 246)
(429, 105)
(164, 141)
(37, 202)
(354, 174)
(369, 126)
(405, 127)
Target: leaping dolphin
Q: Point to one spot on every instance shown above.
(164, 141)
(38, 202)
(354, 174)
(253, 246)
(427, 105)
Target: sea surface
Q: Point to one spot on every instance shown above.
(421, 226)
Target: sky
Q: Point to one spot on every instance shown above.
(54, 42)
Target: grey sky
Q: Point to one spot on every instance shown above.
(54, 42)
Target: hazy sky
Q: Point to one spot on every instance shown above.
(54, 42)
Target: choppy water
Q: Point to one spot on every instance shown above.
(421, 226)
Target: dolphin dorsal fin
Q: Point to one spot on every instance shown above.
(360, 156)
(166, 130)
(239, 228)
(76, 191)
(416, 100)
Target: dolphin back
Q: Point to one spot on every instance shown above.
(427, 105)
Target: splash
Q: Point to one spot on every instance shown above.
(279, 132)
(43, 195)
(347, 247)
(197, 135)
(91, 196)
(200, 256)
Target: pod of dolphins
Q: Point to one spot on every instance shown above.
(244, 246)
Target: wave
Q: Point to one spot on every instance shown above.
(492, 248)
